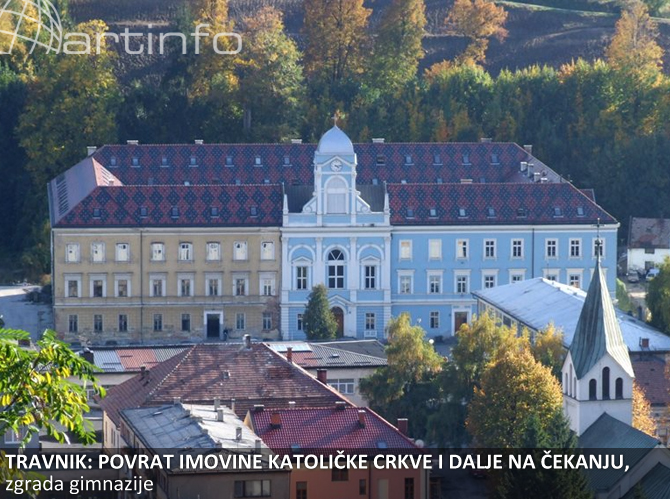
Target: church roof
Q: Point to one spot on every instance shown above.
(335, 141)
(598, 332)
(654, 484)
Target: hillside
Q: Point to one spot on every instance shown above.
(537, 34)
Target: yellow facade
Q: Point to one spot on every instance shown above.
(166, 285)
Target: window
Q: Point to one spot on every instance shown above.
(185, 322)
(345, 386)
(240, 286)
(267, 321)
(97, 323)
(185, 252)
(299, 324)
(72, 253)
(362, 487)
(491, 212)
(466, 158)
(122, 287)
(517, 248)
(405, 250)
(489, 281)
(252, 488)
(462, 284)
(339, 475)
(336, 269)
(258, 161)
(157, 252)
(185, 286)
(598, 247)
(157, 286)
(336, 196)
(240, 321)
(650, 251)
(381, 159)
(405, 284)
(432, 212)
(213, 252)
(300, 490)
(408, 159)
(301, 277)
(434, 320)
(551, 248)
(123, 323)
(435, 249)
(606, 383)
(73, 286)
(267, 250)
(164, 161)
(122, 252)
(409, 488)
(462, 248)
(494, 159)
(98, 252)
(434, 284)
(13, 436)
(253, 211)
(517, 275)
(462, 213)
(370, 274)
(240, 250)
(575, 248)
(214, 212)
(436, 159)
(489, 248)
(618, 389)
(158, 322)
(551, 275)
(580, 211)
(97, 288)
(229, 160)
(72, 323)
(370, 321)
(575, 280)
(135, 161)
(213, 286)
(174, 212)
(267, 284)
(144, 212)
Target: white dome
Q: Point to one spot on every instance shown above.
(335, 141)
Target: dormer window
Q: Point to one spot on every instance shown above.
(287, 160)
(558, 212)
(403, 181)
(144, 212)
(254, 211)
(174, 212)
(408, 159)
(439, 180)
(136, 161)
(466, 158)
(96, 212)
(433, 213)
(494, 159)
(238, 181)
(214, 212)
(194, 161)
(258, 161)
(462, 213)
(164, 161)
(491, 212)
(112, 161)
(410, 212)
(266, 181)
(436, 159)
(580, 211)
(229, 160)
(381, 159)
(375, 181)
(521, 213)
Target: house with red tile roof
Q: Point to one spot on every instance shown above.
(340, 428)
(650, 375)
(240, 375)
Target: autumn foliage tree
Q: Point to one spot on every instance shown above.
(642, 419)
(477, 20)
(658, 298)
(548, 349)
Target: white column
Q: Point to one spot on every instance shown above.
(318, 270)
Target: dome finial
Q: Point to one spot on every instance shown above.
(336, 116)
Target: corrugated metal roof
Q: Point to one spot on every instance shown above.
(655, 484)
(537, 302)
(166, 353)
(132, 359)
(108, 361)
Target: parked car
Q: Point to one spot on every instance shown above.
(633, 276)
(652, 273)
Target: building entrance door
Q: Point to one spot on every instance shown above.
(339, 318)
(213, 326)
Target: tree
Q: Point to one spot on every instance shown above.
(548, 349)
(335, 38)
(642, 419)
(318, 320)
(512, 389)
(624, 301)
(271, 78)
(633, 47)
(398, 48)
(658, 298)
(477, 20)
(405, 388)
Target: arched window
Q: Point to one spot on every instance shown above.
(606, 383)
(336, 196)
(574, 387)
(593, 388)
(565, 382)
(618, 389)
(336, 269)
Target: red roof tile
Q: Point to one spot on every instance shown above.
(650, 376)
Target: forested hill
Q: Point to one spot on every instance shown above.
(553, 32)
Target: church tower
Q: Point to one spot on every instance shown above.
(597, 373)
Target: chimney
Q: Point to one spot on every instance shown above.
(403, 426)
(289, 354)
(247, 341)
(176, 400)
(361, 418)
(232, 405)
(523, 166)
(275, 420)
(322, 375)
(296, 141)
(258, 445)
(143, 372)
(133, 142)
(378, 141)
(199, 142)
(90, 150)
(528, 149)
(644, 342)
(291, 404)
(485, 140)
(340, 405)
(238, 433)
(259, 407)
(88, 355)
(219, 414)
(217, 403)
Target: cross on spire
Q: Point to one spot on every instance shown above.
(335, 117)
(599, 243)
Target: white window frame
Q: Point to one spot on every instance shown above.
(434, 319)
(579, 274)
(434, 275)
(602, 247)
(185, 252)
(578, 245)
(98, 250)
(336, 197)
(493, 247)
(160, 318)
(72, 278)
(158, 277)
(457, 276)
(191, 286)
(267, 316)
(302, 264)
(70, 322)
(72, 253)
(551, 242)
(409, 274)
(516, 244)
(240, 319)
(489, 274)
(240, 251)
(95, 323)
(213, 250)
(339, 267)
(13, 437)
(240, 276)
(122, 252)
(346, 386)
(98, 277)
(117, 279)
(462, 249)
(267, 250)
(299, 324)
(219, 284)
(157, 252)
(548, 273)
(405, 249)
(370, 321)
(514, 273)
(435, 249)
(267, 276)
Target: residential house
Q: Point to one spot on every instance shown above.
(648, 242)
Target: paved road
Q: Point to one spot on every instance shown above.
(19, 313)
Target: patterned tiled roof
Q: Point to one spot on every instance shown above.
(327, 428)
(251, 376)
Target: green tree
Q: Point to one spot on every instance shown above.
(397, 48)
(548, 349)
(336, 39)
(271, 81)
(623, 298)
(513, 388)
(658, 298)
(318, 320)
